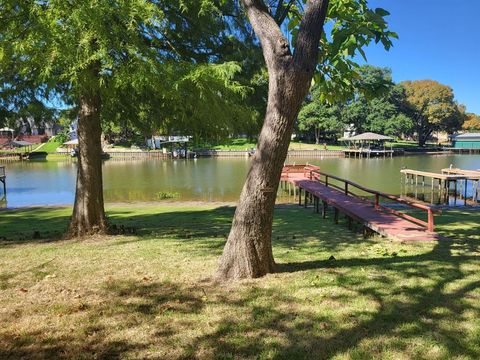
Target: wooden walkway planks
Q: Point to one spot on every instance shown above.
(432, 175)
(470, 174)
(386, 224)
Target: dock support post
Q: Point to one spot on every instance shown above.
(475, 192)
(324, 209)
(431, 225)
(306, 198)
(335, 216)
(299, 196)
(365, 232)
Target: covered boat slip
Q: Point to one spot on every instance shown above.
(367, 145)
(466, 143)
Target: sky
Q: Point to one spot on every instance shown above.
(438, 40)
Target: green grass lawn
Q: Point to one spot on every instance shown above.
(242, 144)
(50, 146)
(409, 145)
(150, 295)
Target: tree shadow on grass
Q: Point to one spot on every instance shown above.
(206, 229)
(420, 306)
(406, 313)
(103, 332)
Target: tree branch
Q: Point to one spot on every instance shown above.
(274, 45)
(311, 28)
(282, 12)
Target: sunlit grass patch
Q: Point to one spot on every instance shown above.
(336, 295)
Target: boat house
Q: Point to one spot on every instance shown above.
(467, 141)
(367, 145)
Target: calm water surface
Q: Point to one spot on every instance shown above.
(53, 183)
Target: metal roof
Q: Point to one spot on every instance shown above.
(368, 136)
(21, 143)
(467, 136)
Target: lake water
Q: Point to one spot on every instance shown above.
(209, 179)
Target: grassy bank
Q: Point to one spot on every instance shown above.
(50, 146)
(242, 144)
(149, 294)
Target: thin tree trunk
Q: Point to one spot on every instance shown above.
(88, 211)
(248, 252)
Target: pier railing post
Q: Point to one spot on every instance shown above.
(346, 188)
(431, 225)
(377, 201)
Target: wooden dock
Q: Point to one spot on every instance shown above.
(471, 174)
(441, 183)
(315, 186)
(368, 153)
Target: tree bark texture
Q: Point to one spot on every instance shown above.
(88, 211)
(248, 251)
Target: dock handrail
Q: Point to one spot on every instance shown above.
(317, 174)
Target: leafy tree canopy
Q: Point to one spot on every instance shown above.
(319, 117)
(145, 58)
(433, 107)
(472, 122)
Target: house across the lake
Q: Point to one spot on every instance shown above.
(466, 141)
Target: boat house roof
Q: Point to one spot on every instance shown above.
(368, 136)
(467, 136)
(20, 143)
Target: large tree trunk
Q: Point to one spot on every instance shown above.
(248, 252)
(88, 211)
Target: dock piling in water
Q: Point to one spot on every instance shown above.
(3, 180)
(441, 185)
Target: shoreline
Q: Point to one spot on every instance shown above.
(132, 203)
(193, 203)
(212, 153)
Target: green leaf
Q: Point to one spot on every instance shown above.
(381, 12)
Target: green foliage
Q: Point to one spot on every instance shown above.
(60, 138)
(433, 107)
(382, 110)
(377, 105)
(321, 118)
(157, 66)
(350, 27)
(164, 195)
(472, 122)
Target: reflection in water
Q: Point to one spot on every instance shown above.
(51, 183)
